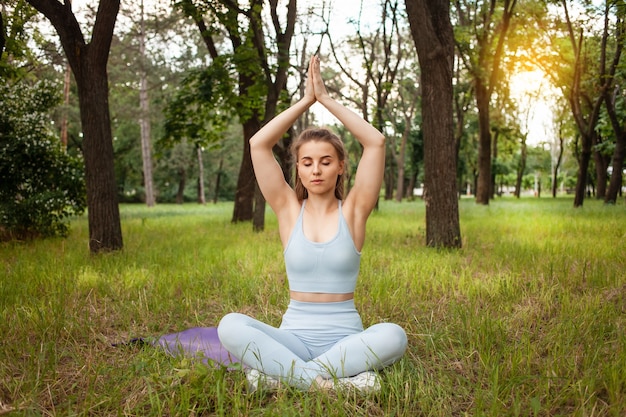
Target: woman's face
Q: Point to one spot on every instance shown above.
(319, 166)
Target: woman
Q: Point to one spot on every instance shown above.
(321, 342)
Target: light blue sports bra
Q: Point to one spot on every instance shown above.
(324, 267)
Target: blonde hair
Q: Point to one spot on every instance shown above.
(319, 134)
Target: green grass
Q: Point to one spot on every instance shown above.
(528, 319)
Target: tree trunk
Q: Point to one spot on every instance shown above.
(144, 120)
(88, 63)
(201, 197)
(66, 102)
(390, 175)
(537, 186)
(586, 123)
(408, 191)
(490, 26)
(433, 36)
(103, 211)
(244, 196)
(557, 165)
(218, 180)
(583, 167)
(483, 186)
(521, 167)
(401, 164)
(258, 220)
(180, 194)
(2, 37)
(493, 189)
(617, 163)
(601, 163)
(400, 185)
(619, 152)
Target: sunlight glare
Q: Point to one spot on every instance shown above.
(534, 95)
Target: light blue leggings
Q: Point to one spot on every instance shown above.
(313, 339)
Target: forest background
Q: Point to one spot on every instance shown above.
(526, 319)
(537, 97)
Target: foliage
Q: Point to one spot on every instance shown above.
(199, 112)
(16, 53)
(179, 121)
(41, 186)
(198, 108)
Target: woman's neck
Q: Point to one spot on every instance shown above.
(318, 204)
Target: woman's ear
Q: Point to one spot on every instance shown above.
(342, 165)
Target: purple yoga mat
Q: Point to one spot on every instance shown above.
(200, 343)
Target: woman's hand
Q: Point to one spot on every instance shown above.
(309, 91)
(318, 83)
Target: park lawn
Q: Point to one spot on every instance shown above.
(528, 318)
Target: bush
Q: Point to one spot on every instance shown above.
(40, 185)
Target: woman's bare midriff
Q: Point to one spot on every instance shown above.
(317, 297)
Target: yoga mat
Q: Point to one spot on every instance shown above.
(198, 342)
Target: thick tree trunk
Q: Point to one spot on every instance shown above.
(103, 211)
(88, 63)
(434, 40)
(244, 196)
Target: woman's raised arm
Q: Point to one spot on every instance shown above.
(370, 171)
(268, 173)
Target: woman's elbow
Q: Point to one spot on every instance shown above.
(379, 140)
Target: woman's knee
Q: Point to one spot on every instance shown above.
(230, 326)
(392, 335)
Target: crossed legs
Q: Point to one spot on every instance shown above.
(281, 353)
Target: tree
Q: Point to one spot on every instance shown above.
(88, 61)
(2, 37)
(169, 49)
(612, 106)
(483, 57)
(144, 119)
(407, 102)
(17, 34)
(584, 86)
(41, 185)
(557, 146)
(261, 76)
(383, 56)
(434, 41)
(464, 118)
